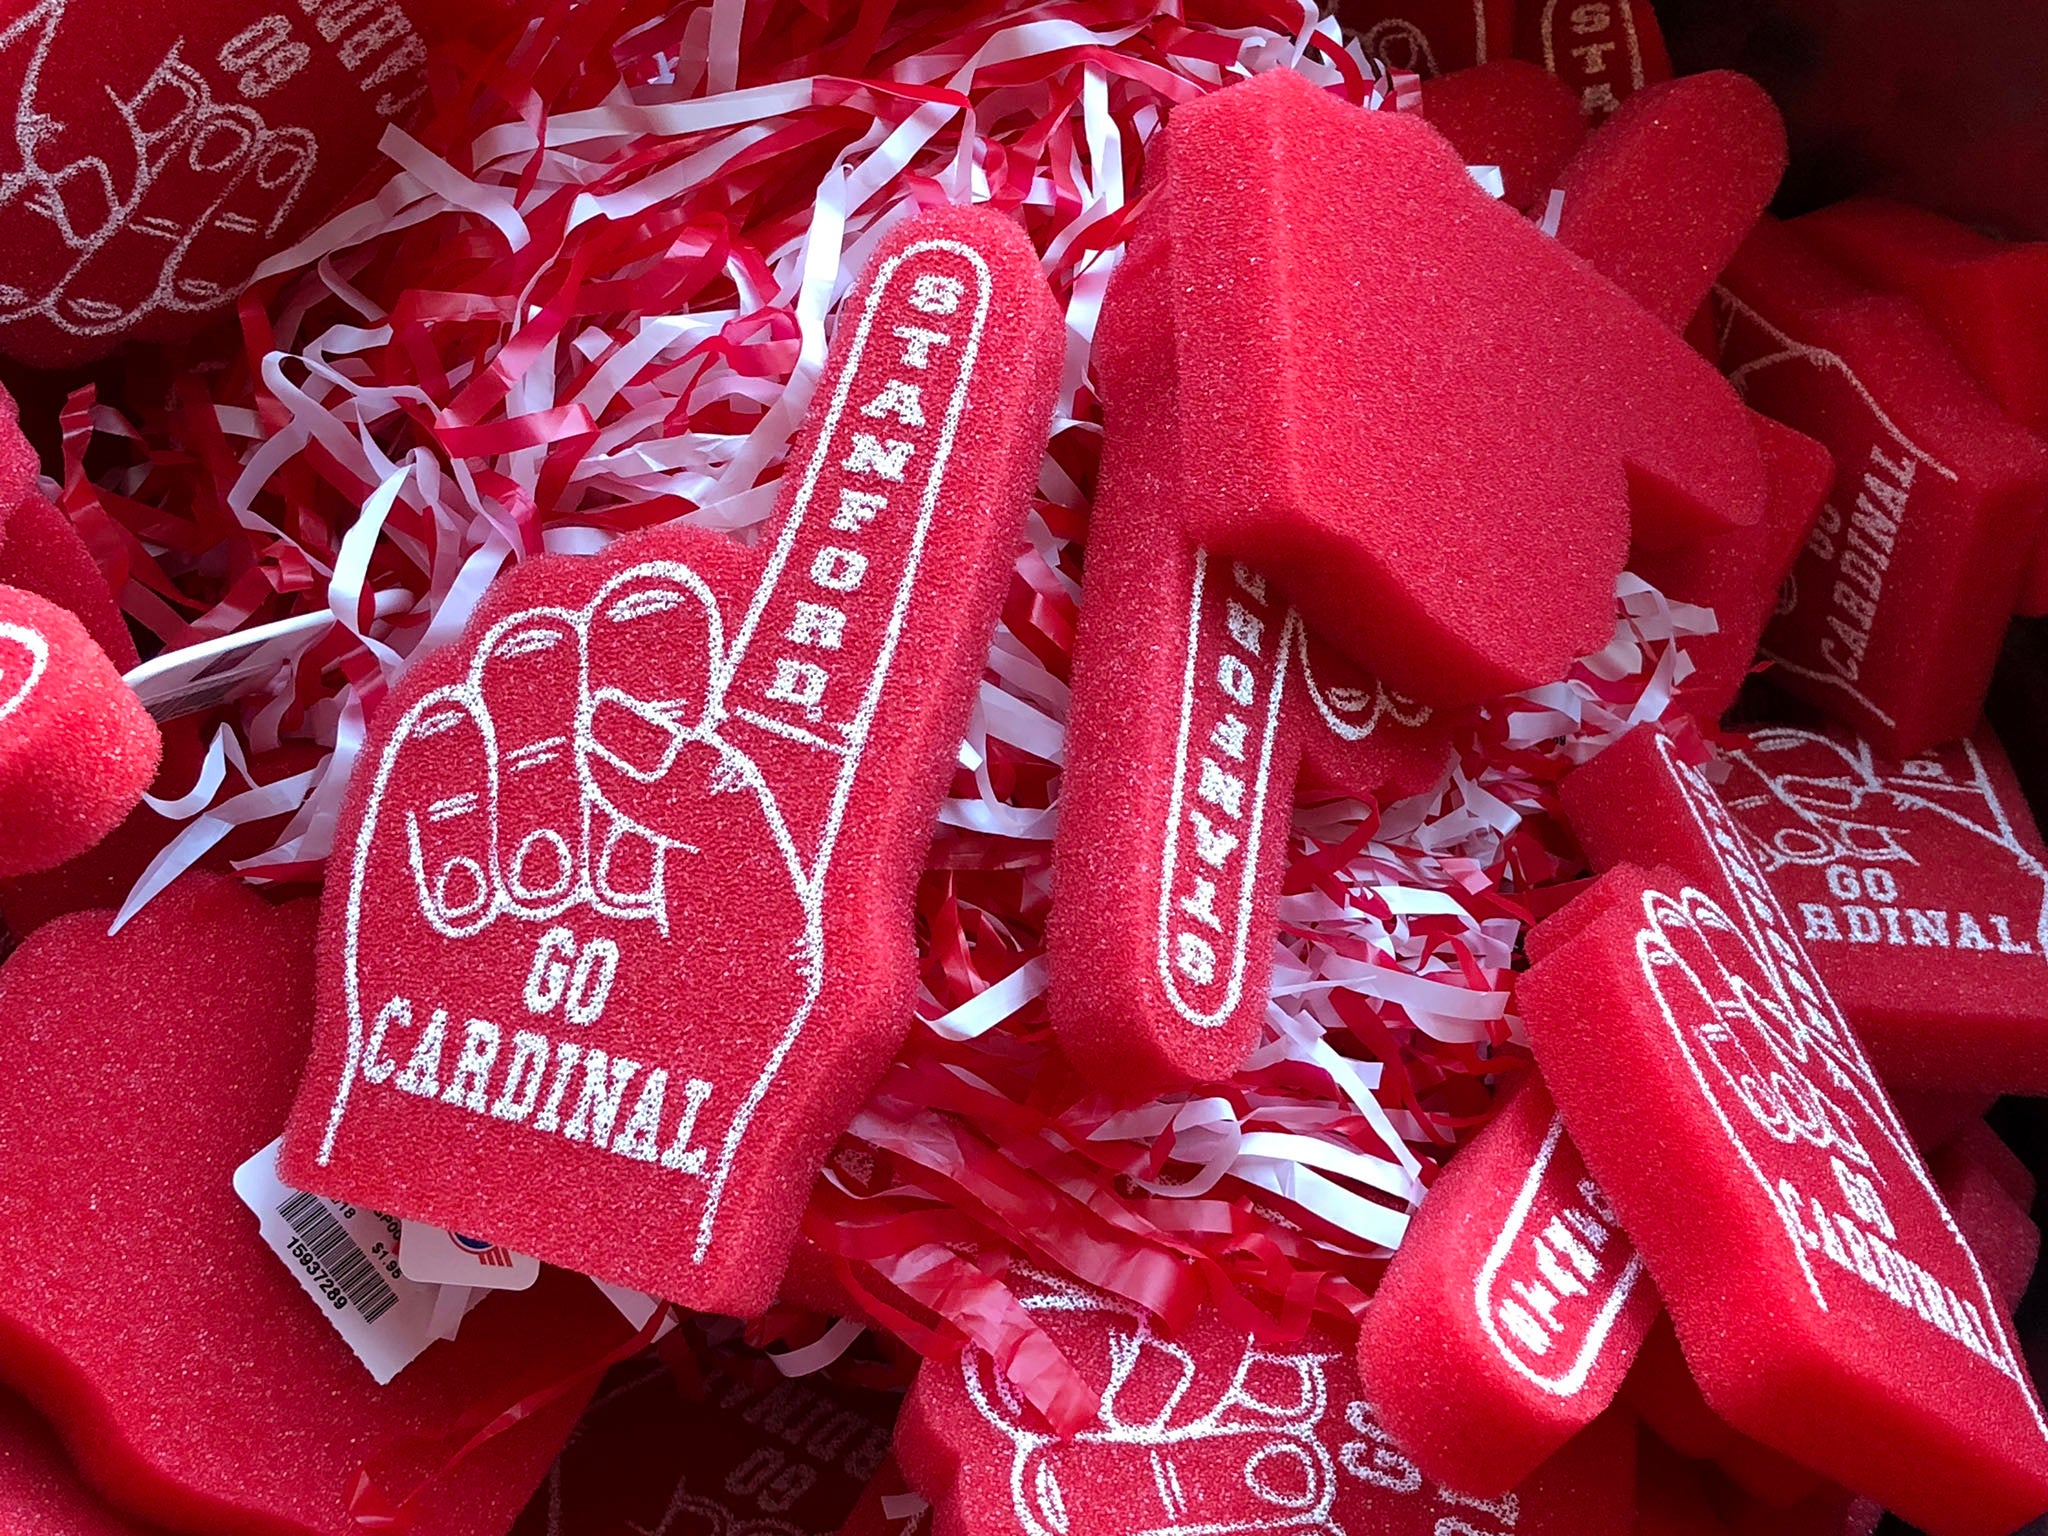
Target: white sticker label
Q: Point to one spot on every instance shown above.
(347, 1261)
(435, 1257)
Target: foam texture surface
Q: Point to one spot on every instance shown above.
(1432, 557)
(41, 552)
(1511, 1310)
(1199, 700)
(1899, 600)
(146, 1067)
(1741, 574)
(76, 748)
(1738, 1129)
(1988, 298)
(1432, 37)
(1208, 1432)
(1512, 115)
(1919, 888)
(1663, 193)
(1603, 54)
(620, 934)
(40, 1495)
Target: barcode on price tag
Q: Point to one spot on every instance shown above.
(346, 1259)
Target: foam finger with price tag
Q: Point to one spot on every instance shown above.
(1367, 478)
(1511, 1310)
(76, 748)
(1209, 1433)
(175, 1042)
(621, 929)
(1198, 701)
(1732, 1118)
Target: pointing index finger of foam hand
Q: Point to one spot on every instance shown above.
(1358, 330)
(857, 660)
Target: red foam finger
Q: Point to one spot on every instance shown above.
(1920, 889)
(1603, 53)
(1509, 114)
(1511, 1310)
(1988, 298)
(1932, 1118)
(625, 937)
(39, 1491)
(1741, 574)
(1661, 1388)
(1431, 37)
(1733, 1120)
(1899, 600)
(1197, 703)
(1975, 1144)
(1365, 225)
(76, 748)
(1997, 1227)
(175, 148)
(1664, 194)
(175, 1041)
(18, 463)
(1207, 1431)
(41, 552)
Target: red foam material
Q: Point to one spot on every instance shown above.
(17, 461)
(1664, 193)
(144, 1069)
(40, 1494)
(1900, 597)
(1199, 701)
(1509, 114)
(41, 552)
(1741, 574)
(255, 127)
(104, 874)
(625, 921)
(1511, 1310)
(1365, 224)
(1975, 1143)
(1208, 1432)
(1932, 1118)
(76, 748)
(1731, 1117)
(1660, 1387)
(1431, 37)
(1998, 1228)
(1604, 53)
(1920, 889)
(1989, 298)
(720, 1447)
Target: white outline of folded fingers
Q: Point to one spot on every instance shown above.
(38, 649)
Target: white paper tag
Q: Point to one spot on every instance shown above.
(346, 1259)
(435, 1257)
(197, 677)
